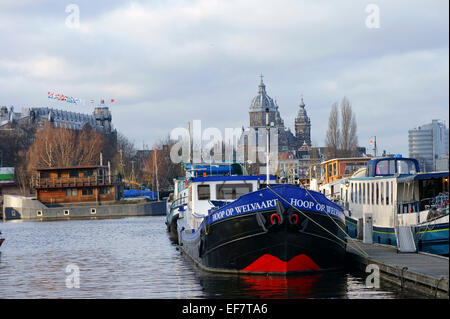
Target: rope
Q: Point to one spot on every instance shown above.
(356, 245)
(357, 248)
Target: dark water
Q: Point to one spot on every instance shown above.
(134, 258)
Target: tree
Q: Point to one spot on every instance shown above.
(349, 139)
(62, 147)
(333, 138)
(341, 139)
(159, 161)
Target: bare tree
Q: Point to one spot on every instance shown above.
(341, 139)
(333, 138)
(349, 139)
(62, 147)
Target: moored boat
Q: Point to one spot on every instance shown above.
(396, 197)
(240, 224)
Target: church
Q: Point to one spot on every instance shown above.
(287, 141)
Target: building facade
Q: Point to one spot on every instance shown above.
(429, 145)
(74, 184)
(286, 140)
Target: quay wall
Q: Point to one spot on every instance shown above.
(26, 208)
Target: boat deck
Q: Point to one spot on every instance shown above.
(418, 271)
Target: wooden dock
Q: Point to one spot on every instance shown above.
(418, 271)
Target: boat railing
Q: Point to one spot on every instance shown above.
(53, 182)
(179, 202)
(438, 202)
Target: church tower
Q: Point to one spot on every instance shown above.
(302, 126)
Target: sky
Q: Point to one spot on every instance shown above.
(169, 62)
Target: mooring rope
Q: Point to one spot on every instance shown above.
(345, 242)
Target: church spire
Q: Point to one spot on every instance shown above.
(262, 86)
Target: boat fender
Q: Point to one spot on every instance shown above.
(273, 217)
(261, 221)
(293, 219)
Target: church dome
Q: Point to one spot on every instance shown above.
(262, 100)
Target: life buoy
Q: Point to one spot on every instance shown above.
(293, 219)
(272, 219)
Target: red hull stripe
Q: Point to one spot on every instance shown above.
(269, 263)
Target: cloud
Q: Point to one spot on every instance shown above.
(167, 62)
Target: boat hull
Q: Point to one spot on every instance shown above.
(1, 241)
(251, 244)
(171, 223)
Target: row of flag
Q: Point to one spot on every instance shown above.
(71, 99)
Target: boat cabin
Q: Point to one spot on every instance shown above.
(74, 184)
(393, 187)
(207, 187)
(325, 177)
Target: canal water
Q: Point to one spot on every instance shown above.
(134, 258)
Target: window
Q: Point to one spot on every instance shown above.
(387, 193)
(371, 194)
(382, 168)
(382, 193)
(377, 194)
(392, 193)
(66, 212)
(405, 167)
(39, 213)
(232, 191)
(71, 192)
(104, 190)
(359, 194)
(87, 191)
(351, 192)
(93, 211)
(364, 193)
(87, 173)
(73, 173)
(203, 192)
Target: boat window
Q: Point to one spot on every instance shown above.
(232, 191)
(351, 192)
(359, 194)
(371, 194)
(364, 193)
(203, 192)
(377, 193)
(387, 193)
(70, 192)
(392, 193)
(382, 193)
(73, 173)
(382, 168)
(406, 167)
(87, 191)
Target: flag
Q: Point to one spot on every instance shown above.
(103, 101)
(112, 100)
(371, 142)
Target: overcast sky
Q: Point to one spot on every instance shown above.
(168, 62)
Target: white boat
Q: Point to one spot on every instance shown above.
(395, 197)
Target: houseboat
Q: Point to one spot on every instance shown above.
(326, 177)
(77, 192)
(393, 194)
(236, 223)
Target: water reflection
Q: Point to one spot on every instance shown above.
(134, 258)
